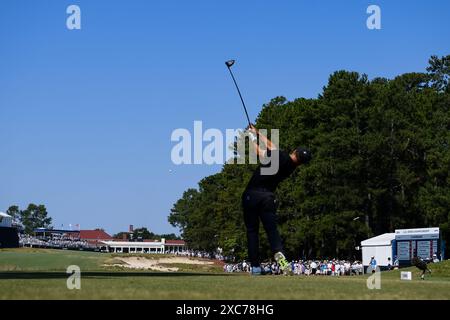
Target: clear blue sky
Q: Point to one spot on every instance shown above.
(86, 115)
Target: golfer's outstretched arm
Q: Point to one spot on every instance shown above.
(259, 151)
(263, 138)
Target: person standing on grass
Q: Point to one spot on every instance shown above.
(258, 199)
(396, 263)
(313, 268)
(373, 264)
(435, 258)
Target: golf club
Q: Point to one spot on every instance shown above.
(229, 64)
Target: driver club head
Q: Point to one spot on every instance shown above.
(229, 63)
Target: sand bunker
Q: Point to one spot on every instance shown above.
(155, 264)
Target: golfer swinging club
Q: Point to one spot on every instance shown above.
(259, 202)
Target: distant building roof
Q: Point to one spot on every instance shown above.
(381, 240)
(175, 242)
(5, 220)
(94, 235)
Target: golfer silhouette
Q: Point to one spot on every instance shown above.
(258, 199)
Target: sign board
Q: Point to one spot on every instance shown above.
(422, 242)
(403, 250)
(406, 275)
(417, 234)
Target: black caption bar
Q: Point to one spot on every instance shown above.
(223, 309)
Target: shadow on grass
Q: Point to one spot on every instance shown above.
(99, 274)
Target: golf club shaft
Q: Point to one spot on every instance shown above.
(240, 95)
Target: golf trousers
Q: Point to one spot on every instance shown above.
(260, 205)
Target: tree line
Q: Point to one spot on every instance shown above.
(381, 162)
(34, 216)
(145, 234)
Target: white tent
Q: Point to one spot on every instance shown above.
(379, 247)
(5, 220)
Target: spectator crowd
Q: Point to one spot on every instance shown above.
(332, 267)
(54, 242)
(199, 254)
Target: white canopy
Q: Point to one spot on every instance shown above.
(381, 240)
(5, 220)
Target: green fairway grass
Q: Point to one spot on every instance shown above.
(26, 259)
(40, 274)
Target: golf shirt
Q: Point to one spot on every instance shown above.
(270, 182)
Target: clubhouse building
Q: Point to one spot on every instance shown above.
(146, 246)
(98, 239)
